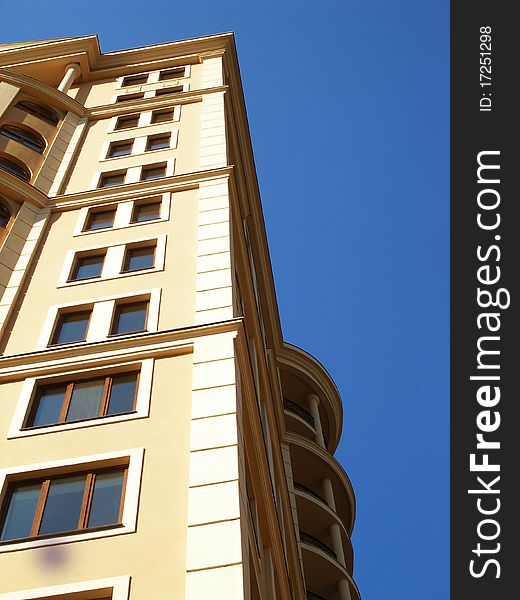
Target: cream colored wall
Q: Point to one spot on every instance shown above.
(177, 280)
(154, 556)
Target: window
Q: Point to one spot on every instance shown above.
(40, 111)
(169, 90)
(158, 142)
(162, 116)
(129, 97)
(120, 149)
(138, 258)
(127, 121)
(153, 172)
(135, 80)
(174, 73)
(71, 327)
(100, 219)
(14, 169)
(60, 504)
(87, 266)
(146, 211)
(23, 136)
(130, 317)
(83, 399)
(111, 179)
(5, 215)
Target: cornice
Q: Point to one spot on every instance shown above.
(20, 190)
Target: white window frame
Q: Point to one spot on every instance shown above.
(30, 385)
(118, 587)
(135, 457)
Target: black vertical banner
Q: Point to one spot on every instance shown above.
(485, 269)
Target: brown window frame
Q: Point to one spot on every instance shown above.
(129, 97)
(114, 145)
(94, 211)
(151, 138)
(153, 167)
(101, 253)
(107, 389)
(122, 118)
(85, 505)
(59, 322)
(115, 316)
(164, 74)
(128, 79)
(139, 203)
(165, 91)
(139, 246)
(169, 111)
(108, 174)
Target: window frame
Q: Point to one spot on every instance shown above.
(59, 323)
(164, 72)
(96, 210)
(108, 174)
(151, 138)
(170, 90)
(5, 214)
(121, 303)
(36, 144)
(14, 168)
(128, 97)
(122, 117)
(126, 81)
(115, 144)
(49, 115)
(153, 167)
(145, 202)
(129, 248)
(102, 253)
(159, 111)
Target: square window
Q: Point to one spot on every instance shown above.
(100, 219)
(83, 399)
(71, 327)
(111, 179)
(146, 211)
(127, 121)
(87, 266)
(153, 172)
(175, 89)
(117, 149)
(162, 116)
(130, 317)
(130, 97)
(135, 79)
(158, 142)
(61, 504)
(174, 73)
(138, 258)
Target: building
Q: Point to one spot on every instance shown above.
(158, 437)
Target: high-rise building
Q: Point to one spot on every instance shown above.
(158, 437)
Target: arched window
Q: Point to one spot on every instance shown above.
(14, 169)
(5, 215)
(23, 136)
(38, 110)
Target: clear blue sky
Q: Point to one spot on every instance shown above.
(349, 114)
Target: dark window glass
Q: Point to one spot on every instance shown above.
(14, 169)
(122, 394)
(120, 149)
(128, 97)
(150, 173)
(162, 116)
(127, 122)
(22, 136)
(106, 499)
(5, 215)
(139, 258)
(175, 73)
(146, 212)
(20, 514)
(135, 80)
(158, 142)
(100, 219)
(38, 110)
(72, 327)
(85, 401)
(169, 90)
(49, 405)
(63, 504)
(130, 318)
(87, 267)
(111, 179)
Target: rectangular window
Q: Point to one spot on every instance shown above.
(87, 266)
(100, 219)
(138, 258)
(174, 89)
(62, 504)
(71, 327)
(153, 172)
(84, 399)
(135, 79)
(158, 142)
(129, 97)
(111, 179)
(146, 211)
(127, 121)
(117, 149)
(162, 116)
(174, 73)
(129, 317)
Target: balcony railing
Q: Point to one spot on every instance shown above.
(291, 406)
(306, 490)
(312, 541)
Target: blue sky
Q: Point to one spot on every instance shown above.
(349, 114)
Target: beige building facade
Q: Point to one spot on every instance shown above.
(158, 437)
